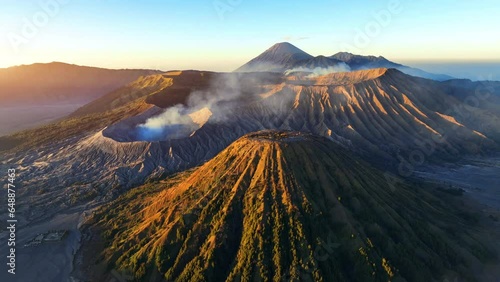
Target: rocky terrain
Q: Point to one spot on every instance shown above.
(379, 114)
(143, 133)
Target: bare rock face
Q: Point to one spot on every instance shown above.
(380, 113)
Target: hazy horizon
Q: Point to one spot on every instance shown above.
(473, 70)
(222, 35)
(238, 140)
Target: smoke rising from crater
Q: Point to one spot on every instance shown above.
(172, 115)
(318, 71)
(200, 106)
(218, 103)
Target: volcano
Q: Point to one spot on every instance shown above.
(382, 115)
(359, 62)
(281, 206)
(277, 58)
(285, 57)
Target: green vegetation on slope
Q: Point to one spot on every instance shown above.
(285, 207)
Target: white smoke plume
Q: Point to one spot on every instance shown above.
(318, 71)
(218, 102)
(225, 88)
(172, 115)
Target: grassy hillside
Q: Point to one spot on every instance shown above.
(281, 206)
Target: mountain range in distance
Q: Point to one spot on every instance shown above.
(41, 93)
(176, 120)
(285, 57)
(292, 168)
(61, 83)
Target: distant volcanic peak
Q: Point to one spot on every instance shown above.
(278, 58)
(320, 61)
(343, 56)
(346, 57)
(321, 57)
(286, 58)
(283, 53)
(286, 48)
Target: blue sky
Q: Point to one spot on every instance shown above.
(223, 34)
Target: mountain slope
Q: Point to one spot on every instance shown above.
(37, 94)
(139, 88)
(373, 110)
(285, 57)
(358, 62)
(278, 58)
(282, 206)
(383, 115)
(62, 83)
(319, 65)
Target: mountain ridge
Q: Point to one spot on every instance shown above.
(375, 113)
(277, 205)
(277, 58)
(268, 62)
(37, 94)
(383, 116)
(48, 83)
